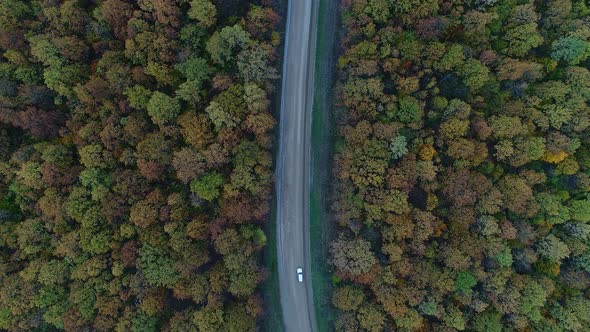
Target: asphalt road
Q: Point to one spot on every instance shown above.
(293, 167)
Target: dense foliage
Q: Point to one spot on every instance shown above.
(135, 164)
(462, 166)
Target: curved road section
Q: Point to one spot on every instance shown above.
(292, 172)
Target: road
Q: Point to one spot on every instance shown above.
(293, 167)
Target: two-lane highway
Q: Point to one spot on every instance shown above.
(293, 165)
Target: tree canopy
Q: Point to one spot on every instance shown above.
(460, 187)
(135, 178)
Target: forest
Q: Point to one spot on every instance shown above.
(135, 163)
(461, 191)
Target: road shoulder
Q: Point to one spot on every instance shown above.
(321, 229)
(273, 318)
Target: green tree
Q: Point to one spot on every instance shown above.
(465, 282)
(94, 156)
(63, 79)
(141, 322)
(208, 186)
(60, 155)
(43, 50)
(195, 69)
(474, 73)
(95, 235)
(371, 318)
(506, 126)
(30, 175)
(580, 210)
(251, 168)
(236, 318)
(452, 59)
(567, 320)
(254, 65)
(521, 39)
(83, 296)
(162, 108)
(157, 267)
(411, 320)
(53, 273)
(54, 303)
(532, 299)
(578, 78)
(488, 321)
(363, 94)
(224, 44)
(32, 237)
(504, 149)
(557, 115)
(97, 180)
(454, 318)
(398, 147)
(12, 12)
(203, 11)
(243, 274)
(504, 257)
(428, 307)
(552, 248)
(78, 203)
(190, 92)
(570, 49)
(208, 319)
(409, 110)
(138, 96)
(228, 108)
(453, 128)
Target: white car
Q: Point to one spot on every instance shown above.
(300, 274)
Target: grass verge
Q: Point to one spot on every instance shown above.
(273, 321)
(322, 141)
(273, 318)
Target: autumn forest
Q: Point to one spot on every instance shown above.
(138, 143)
(463, 166)
(135, 163)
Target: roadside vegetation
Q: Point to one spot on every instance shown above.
(322, 139)
(462, 166)
(135, 163)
